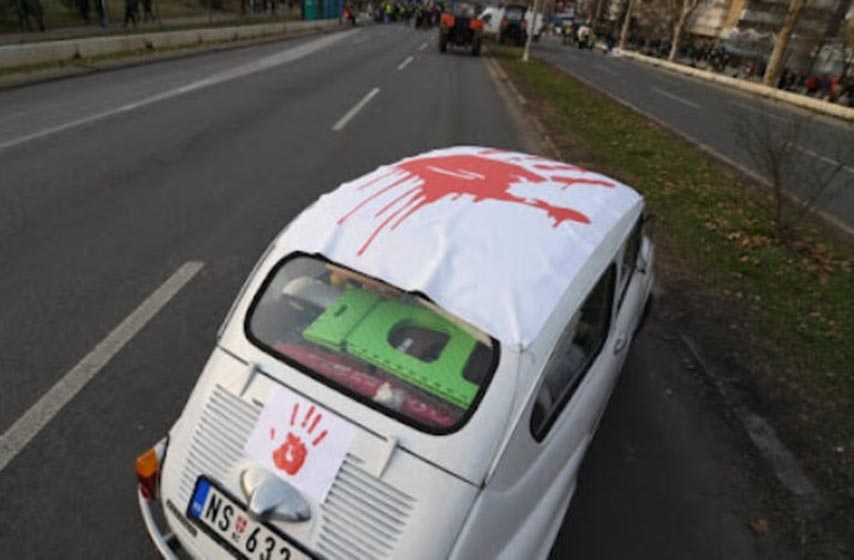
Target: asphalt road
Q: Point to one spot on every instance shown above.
(710, 115)
(112, 181)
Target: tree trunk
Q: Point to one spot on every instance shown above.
(624, 33)
(597, 10)
(775, 62)
(687, 6)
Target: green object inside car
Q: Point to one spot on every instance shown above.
(361, 324)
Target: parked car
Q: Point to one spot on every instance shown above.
(491, 17)
(414, 369)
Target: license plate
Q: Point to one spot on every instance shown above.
(226, 520)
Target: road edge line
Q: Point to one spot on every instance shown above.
(506, 91)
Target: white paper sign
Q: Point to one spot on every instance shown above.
(300, 442)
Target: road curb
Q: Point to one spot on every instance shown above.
(817, 105)
(13, 57)
(540, 142)
(764, 438)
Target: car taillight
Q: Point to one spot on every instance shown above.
(504, 22)
(524, 24)
(148, 470)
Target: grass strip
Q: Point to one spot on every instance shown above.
(799, 298)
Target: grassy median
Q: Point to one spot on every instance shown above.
(799, 298)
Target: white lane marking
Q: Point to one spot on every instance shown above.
(825, 159)
(342, 122)
(265, 63)
(758, 111)
(675, 97)
(39, 414)
(361, 39)
(406, 62)
(423, 46)
(606, 69)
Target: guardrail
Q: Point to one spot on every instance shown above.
(803, 101)
(68, 50)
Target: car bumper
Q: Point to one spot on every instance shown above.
(161, 539)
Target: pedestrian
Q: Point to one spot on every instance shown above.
(83, 8)
(131, 8)
(101, 12)
(147, 12)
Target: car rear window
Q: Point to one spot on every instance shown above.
(463, 9)
(392, 350)
(514, 14)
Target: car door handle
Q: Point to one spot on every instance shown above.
(622, 339)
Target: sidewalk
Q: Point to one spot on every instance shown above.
(27, 57)
(115, 26)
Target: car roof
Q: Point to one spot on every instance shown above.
(494, 237)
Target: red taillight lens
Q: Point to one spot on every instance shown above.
(147, 472)
(524, 24)
(504, 22)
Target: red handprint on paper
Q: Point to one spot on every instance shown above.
(290, 456)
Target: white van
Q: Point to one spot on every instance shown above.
(414, 369)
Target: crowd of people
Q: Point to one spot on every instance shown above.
(422, 15)
(714, 56)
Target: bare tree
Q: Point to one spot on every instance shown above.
(783, 154)
(688, 8)
(627, 20)
(775, 62)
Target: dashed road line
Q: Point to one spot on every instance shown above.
(825, 159)
(342, 122)
(423, 46)
(405, 63)
(605, 69)
(40, 414)
(759, 112)
(675, 97)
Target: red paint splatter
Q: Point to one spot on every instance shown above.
(480, 177)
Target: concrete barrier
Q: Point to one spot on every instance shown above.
(803, 101)
(58, 52)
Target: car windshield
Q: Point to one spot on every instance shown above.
(514, 13)
(389, 349)
(464, 9)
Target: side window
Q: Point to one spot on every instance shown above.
(575, 352)
(630, 258)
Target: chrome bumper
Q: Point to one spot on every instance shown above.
(161, 540)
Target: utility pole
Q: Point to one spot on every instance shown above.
(526, 54)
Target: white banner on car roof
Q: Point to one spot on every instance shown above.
(495, 237)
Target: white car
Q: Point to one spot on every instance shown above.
(492, 16)
(414, 369)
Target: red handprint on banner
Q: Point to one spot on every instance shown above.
(290, 456)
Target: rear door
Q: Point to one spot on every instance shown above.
(522, 506)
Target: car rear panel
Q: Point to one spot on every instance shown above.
(376, 508)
